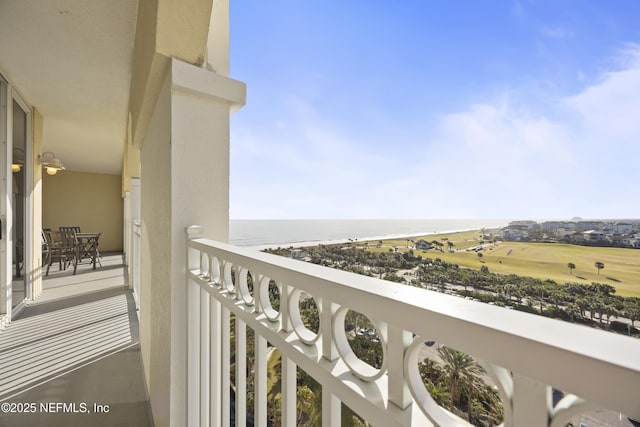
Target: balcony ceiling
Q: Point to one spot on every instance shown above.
(71, 60)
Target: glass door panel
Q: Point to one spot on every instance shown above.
(18, 202)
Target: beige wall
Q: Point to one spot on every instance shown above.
(91, 201)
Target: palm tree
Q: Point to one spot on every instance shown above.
(609, 311)
(572, 267)
(599, 265)
(632, 310)
(574, 311)
(438, 392)
(462, 374)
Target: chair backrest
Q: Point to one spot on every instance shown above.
(47, 237)
(51, 239)
(75, 228)
(68, 239)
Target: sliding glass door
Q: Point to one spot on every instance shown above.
(15, 209)
(19, 203)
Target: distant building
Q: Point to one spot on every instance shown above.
(616, 233)
(622, 228)
(615, 239)
(423, 245)
(632, 242)
(516, 234)
(553, 226)
(589, 225)
(593, 235)
(564, 232)
(300, 255)
(529, 225)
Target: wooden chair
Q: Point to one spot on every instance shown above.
(70, 247)
(52, 248)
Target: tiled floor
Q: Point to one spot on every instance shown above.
(72, 357)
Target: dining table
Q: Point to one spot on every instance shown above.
(88, 243)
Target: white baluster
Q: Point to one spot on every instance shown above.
(193, 354)
(398, 340)
(226, 366)
(289, 391)
(285, 293)
(530, 402)
(205, 334)
(327, 311)
(260, 381)
(215, 342)
(330, 409)
(241, 372)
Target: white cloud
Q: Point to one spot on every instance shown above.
(493, 160)
(579, 157)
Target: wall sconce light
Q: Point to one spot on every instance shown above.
(18, 160)
(51, 163)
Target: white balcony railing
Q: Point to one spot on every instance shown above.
(525, 355)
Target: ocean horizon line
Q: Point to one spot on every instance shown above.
(297, 233)
(308, 243)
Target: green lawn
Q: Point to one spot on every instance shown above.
(541, 260)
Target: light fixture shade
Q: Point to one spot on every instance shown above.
(18, 160)
(51, 163)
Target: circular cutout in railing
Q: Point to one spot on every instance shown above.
(450, 386)
(360, 343)
(246, 280)
(214, 270)
(229, 278)
(204, 266)
(270, 298)
(305, 316)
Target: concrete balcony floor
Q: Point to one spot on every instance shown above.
(73, 348)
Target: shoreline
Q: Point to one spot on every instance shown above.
(313, 243)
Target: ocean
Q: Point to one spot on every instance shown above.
(306, 232)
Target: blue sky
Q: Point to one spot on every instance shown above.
(424, 109)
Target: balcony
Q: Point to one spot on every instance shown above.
(76, 344)
(526, 356)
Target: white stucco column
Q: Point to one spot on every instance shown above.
(185, 181)
(36, 208)
(6, 213)
(132, 214)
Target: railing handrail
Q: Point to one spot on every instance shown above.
(573, 358)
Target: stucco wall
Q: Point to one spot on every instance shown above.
(91, 201)
(155, 283)
(184, 181)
